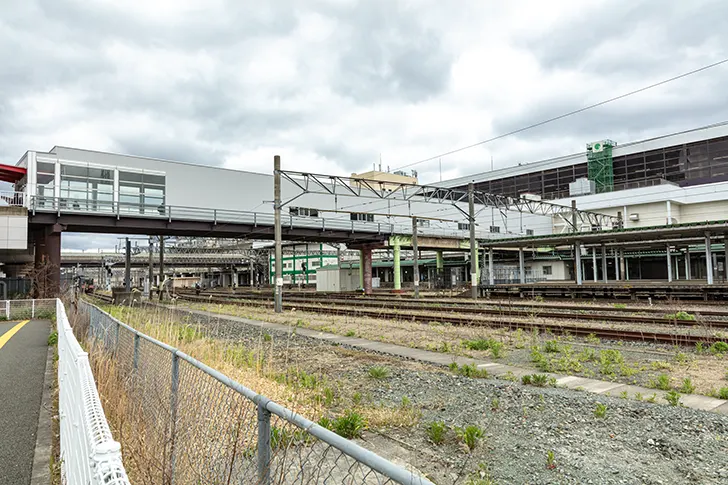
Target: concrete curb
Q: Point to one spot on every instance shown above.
(41, 473)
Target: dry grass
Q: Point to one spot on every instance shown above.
(215, 428)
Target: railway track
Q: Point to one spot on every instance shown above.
(456, 319)
(482, 303)
(498, 310)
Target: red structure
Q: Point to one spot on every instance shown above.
(11, 173)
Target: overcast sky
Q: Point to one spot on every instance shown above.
(331, 85)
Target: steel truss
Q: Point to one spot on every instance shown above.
(311, 183)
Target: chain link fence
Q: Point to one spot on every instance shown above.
(196, 425)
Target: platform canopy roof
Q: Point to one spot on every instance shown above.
(11, 173)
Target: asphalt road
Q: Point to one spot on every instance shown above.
(22, 367)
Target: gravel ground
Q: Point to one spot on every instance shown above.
(635, 443)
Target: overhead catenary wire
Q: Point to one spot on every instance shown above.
(566, 115)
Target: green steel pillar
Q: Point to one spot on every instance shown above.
(397, 270)
(440, 262)
(477, 265)
(361, 268)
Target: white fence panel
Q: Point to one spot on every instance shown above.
(89, 454)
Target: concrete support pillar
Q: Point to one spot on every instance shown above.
(361, 268)
(669, 212)
(621, 264)
(367, 270)
(397, 269)
(521, 266)
(676, 265)
(616, 265)
(252, 272)
(669, 265)
(439, 270)
(725, 260)
(47, 262)
(687, 263)
(491, 275)
(477, 267)
(626, 268)
(594, 264)
(605, 278)
(708, 259)
(577, 262)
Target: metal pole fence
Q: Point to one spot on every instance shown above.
(201, 426)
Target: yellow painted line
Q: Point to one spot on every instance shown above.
(9, 334)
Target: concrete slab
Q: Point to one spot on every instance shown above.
(722, 409)
(704, 403)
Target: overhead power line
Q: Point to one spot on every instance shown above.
(571, 113)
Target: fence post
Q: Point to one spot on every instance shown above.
(136, 351)
(7, 309)
(263, 445)
(116, 338)
(173, 404)
(32, 308)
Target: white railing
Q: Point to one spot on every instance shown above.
(9, 197)
(89, 454)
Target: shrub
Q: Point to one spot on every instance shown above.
(540, 380)
(350, 425)
(551, 347)
(673, 397)
(719, 348)
(378, 372)
(470, 435)
(662, 382)
(601, 410)
(526, 380)
(436, 432)
(53, 338)
(723, 393)
(681, 315)
(687, 386)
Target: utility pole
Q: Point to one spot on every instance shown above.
(127, 266)
(415, 259)
(151, 266)
(278, 291)
(161, 266)
(473, 247)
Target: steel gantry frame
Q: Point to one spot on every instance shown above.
(312, 183)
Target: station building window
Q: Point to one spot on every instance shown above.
(463, 226)
(362, 217)
(494, 228)
(423, 222)
(84, 187)
(529, 232)
(546, 270)
(139, 189)
(303, 212)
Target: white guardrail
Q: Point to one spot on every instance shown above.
(89, 454)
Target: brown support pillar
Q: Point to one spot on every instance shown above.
(47, 278)
(367, 260)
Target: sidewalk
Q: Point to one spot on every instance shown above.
(495, 369)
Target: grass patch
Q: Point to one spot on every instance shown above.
(662, 382)
(687, 386)
(436, 432)
(681, 315)
(470, 435)
(469, 370)
(673, 398)
(378, 372)
(495, 347)
(723, 393)
(600, 411)
(350, 425)
(719, 348)
(53, 338)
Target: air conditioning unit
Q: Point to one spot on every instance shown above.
(634, 217)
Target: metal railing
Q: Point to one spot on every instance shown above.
(89, 454)
(27, 309)
(171, 213)
(203, 427)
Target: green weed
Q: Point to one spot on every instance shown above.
(719, 348)
(681, 315)
(687, 386)
(723, 393)
(470, 435)
(436, 431)
(350, 425)
(378, 372)
(600, 411)
(662, 382)
(53, 338)
(673, 397)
